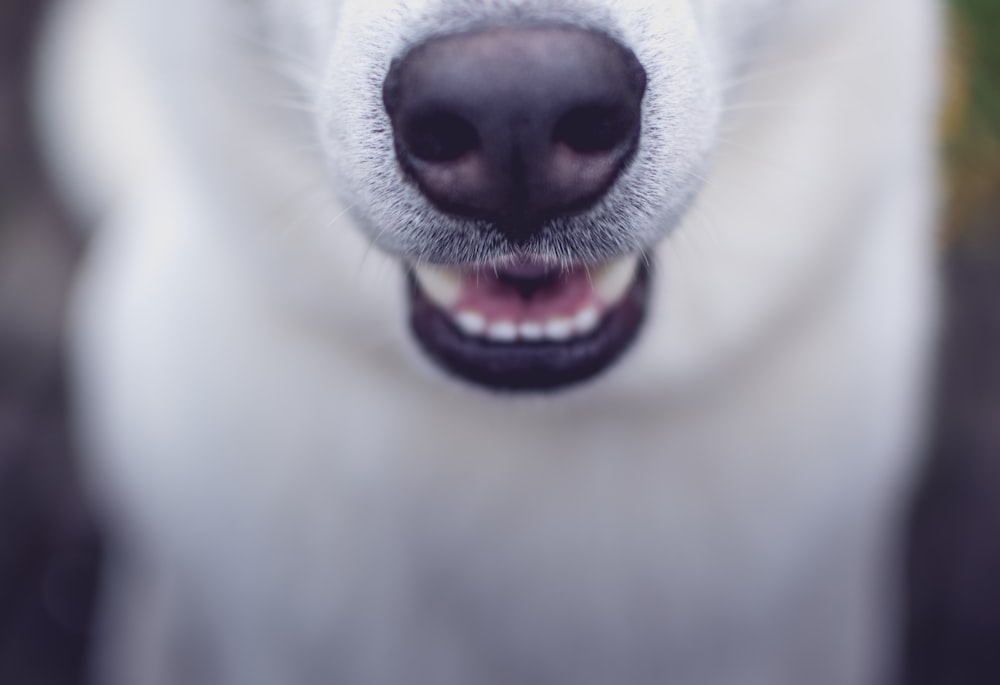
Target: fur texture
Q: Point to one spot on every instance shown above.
(299, 497)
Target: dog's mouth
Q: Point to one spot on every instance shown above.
(526, 325)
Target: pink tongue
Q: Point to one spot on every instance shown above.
(495, 298)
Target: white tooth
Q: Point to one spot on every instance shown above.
(502, 331)
(558, 329)
(586, 320)
(471, 323)
(443, 286)
(531, 330)
(613, 280)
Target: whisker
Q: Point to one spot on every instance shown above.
(803, 66)
(304, 220)
(743, 106)
(372, 243)
(292, 104)
(755, 156)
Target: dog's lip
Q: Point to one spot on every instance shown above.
(526, 325)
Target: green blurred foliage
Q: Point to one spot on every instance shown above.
(980, 20)
(972, 116)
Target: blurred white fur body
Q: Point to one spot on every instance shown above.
(301, 499)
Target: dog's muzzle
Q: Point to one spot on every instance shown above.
(516, 127)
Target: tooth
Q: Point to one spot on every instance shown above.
(443, 286)
(502, 331)
(471, 323)
(586, 320)
(531, 330)
(612, 281)
(558, 329)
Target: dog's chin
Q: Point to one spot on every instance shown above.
(526, 325)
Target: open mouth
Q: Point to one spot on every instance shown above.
(526, 325)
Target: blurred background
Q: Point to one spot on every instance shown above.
(50, 554)
(972, 117)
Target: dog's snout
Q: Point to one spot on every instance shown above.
(515, 124)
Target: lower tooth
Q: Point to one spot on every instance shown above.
(531, 330)
(502, 331)
(559, 329)
(471, 323)
(586, 320)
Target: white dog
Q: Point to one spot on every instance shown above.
(449, 342)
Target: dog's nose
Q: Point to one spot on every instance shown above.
(515, 124)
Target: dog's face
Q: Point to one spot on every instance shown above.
(522, 162)
(520, 158)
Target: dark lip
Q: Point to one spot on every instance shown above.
(530, 366)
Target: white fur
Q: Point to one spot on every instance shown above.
(298, 497)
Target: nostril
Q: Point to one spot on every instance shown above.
(439, 137)
(594, 128)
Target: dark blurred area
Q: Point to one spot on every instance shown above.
(954, 574)
(49, 547)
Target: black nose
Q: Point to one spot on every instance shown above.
(515, 124)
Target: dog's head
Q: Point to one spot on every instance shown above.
(522, 163)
